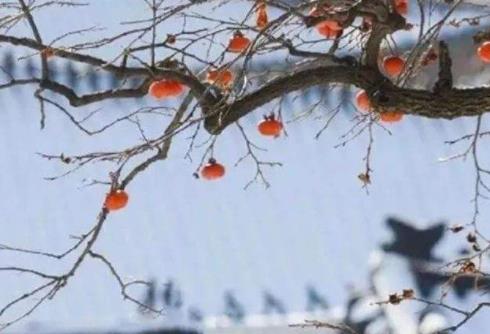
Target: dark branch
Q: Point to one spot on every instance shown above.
(445, 81)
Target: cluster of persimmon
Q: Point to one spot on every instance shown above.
(117, 199)
(269, 127)
(333, 28)
(392, 65)
(222, 78)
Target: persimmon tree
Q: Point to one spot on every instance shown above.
(330, 43)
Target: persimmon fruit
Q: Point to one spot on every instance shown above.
(484, 51)
(220, 77)
(165, 88)
(238, 42)
(393, 65)
(270, 126)
(330, 29)
(262, 17)
(362, 101)
(212, 170)
(116, 199)
(401, 7)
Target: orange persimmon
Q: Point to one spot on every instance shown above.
(116, 199)
(212, 170)
(262, 17)
(484, 51)
(328, 28)
(165, 88)
(270, 126)
(362, 101)
(401, 7)
(220, 77)
(393, 65)
(238, 42)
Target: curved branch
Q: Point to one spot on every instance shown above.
(283, 85)
(199, 90)
(383, 94)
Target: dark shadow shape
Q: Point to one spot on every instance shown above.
(233, 309)
(412, 242)
(273, 304)
(427, 281)
(314, 300)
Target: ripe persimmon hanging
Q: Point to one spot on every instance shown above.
(220, 77)
(330, 29)
(362, 101)
(238, 42)
(484, 51)
(116, 199)
(165, 88)
(212, 170)
(393, 65)
(270, 126)
(401, 7)
(262, 17)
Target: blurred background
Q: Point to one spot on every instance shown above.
(313, 246)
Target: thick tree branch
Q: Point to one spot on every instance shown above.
(302, 79)
(384, 23)
(456, 103)
(384, 94)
